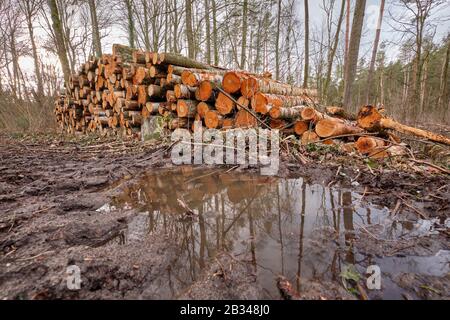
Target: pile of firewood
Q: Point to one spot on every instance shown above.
(116, 93)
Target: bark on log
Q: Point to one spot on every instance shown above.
(260, 101)
(286, 113)
(370, 119)
(252, 85)
(332, 127)
(180, 60)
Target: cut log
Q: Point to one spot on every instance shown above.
(152, 107)
(245, 120)
(224, 105)
(170, 96)
(173, 79)
(155, 91)
(340, 113)
(142, 95)
(184, 92)
(243, 101)
(286, 113)
(260, 101)
(232, 81)
(213, 119)
(180, 60)
(204, 91)
(311, 114)
(333, 127)
(370, 119)
(251, 85)
(301, 127)
(186, 108)
(202, 109)
(367, 145)
(309, 137)
(193, 79)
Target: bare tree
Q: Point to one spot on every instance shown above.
(374, 53)
(95, 29)
(189, 31)
(59, 35)
(30, 9)
(306, 76)
(353, 51)
(332, 52)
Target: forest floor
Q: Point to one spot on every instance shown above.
(51, 188)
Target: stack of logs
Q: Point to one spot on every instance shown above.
(116, 93)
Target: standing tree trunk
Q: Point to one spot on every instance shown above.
(28, 7)
(347, 31)
(189, 32)
(215, 43)
(369, 90)
(443, 88)
(244, 33)
(277, 45)
(353, 51)
(59, 35)
(130, 23)
(208, 33)
(306, 76)
(95, 30)
(333, 49)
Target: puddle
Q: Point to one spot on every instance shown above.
(282, 226)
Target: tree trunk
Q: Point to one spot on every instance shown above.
(37, 69)
(369, 96)
(353, 52)
(244, 33)
(208, 33)
(333, 50)
(215, 39)
(189, 31)
(443, 87)
(130, 24)
(306, 76)
(277, 44)
(95, 30)
(59, 35)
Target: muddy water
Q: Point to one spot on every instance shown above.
(280, 226)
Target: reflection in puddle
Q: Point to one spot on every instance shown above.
(281, 226)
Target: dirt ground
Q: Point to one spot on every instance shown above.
(51, 186)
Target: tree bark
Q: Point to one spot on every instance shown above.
(333, 49)
(59, 35)
(130, 23)
(277, 44)
(215, 39)
(374, 54)
(244, 33)
(95, 30)
(306, 76)
(208, 33)
(353, 52)
(189, 31)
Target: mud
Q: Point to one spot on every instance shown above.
(89, 204)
